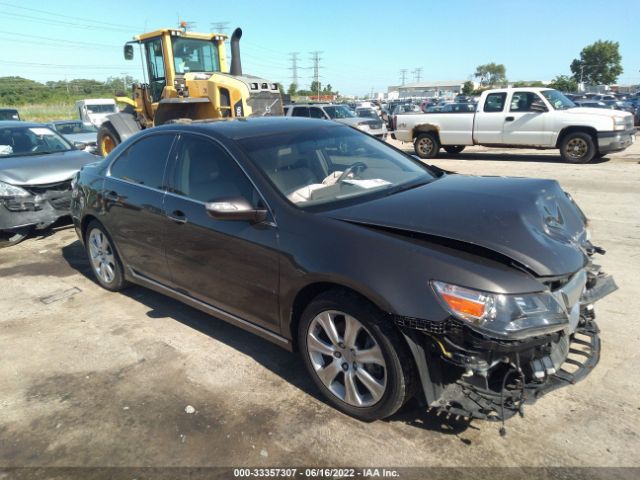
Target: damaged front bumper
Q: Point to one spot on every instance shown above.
(471, 375)
(45, 205)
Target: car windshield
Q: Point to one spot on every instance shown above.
(7, 114)
(557, 100)
(20, 141)
(323, 166)
(366, 113)
(193, 55)
(339, 112)
(74, 127)
(101, 108)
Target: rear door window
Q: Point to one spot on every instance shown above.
(315, 112)
(495, 102)
(300, 112)
(144, 162)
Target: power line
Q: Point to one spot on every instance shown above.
(46, 12)
(219, 27)
(294, 67)
(60, 23)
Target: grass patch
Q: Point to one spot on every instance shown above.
(47, 112)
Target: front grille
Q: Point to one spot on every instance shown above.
(55, 187)
(375, 125)
(437, 328)
(265, 104)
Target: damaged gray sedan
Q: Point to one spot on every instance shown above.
(36, 168)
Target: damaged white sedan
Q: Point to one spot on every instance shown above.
(36, 169)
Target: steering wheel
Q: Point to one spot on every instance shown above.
(352, 169)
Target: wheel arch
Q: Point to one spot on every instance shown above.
(312, 290)
(591, 131)
(425, 128)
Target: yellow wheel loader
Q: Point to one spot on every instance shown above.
(187, 78)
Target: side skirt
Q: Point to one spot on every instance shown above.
(210, 309)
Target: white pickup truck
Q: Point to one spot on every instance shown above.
(539, 118)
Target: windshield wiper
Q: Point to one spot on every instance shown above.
(404, 188)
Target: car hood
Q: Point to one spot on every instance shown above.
(43, 169)
(531, 222)
(602, 112)
(90, 137)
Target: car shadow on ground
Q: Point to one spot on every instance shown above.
(507, 157)
(285, 364)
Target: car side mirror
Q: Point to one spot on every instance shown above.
(79, 145)
(235, 209)
(128, 52)
(538, 106)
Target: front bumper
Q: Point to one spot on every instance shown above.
(39, 210)
(609, 142)
(464, 372)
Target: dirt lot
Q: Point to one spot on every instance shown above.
(92, 378)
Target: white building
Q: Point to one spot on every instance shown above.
(442, 89)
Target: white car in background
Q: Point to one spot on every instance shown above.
(96, 110)
(339, 113)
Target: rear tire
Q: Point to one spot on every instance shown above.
(578, 147)
(108, 139)
(453, 149)
(103, 257)
(368, 374)
(426, 145)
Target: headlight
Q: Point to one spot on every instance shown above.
(7, 190)
(507, 316)
(363, 126)
(619, 123)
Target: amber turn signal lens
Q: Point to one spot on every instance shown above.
(464, 306)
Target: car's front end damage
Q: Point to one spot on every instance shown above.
(34, 205)
(474, 372)
(504, 310)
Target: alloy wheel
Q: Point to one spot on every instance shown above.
(346, 358)
(425, 145)
(101, 254)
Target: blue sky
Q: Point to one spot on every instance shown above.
(364, 43)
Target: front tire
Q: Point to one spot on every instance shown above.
(103, 258)
(453, 149)
(578, 147)
(108, 139)
(355, 356)
(426, 145)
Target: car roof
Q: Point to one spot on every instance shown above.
(18, 123)
(240, 128)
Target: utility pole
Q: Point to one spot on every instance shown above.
(417, 73)
(403, 76)
(294, 67)
(315, 58)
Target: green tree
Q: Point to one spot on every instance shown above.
(599, 63)
(491, 74)
(293, 89)
(468, 87)
(564, 83)
(315, 87)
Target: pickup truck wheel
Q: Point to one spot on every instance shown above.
(355, 356)
(578, 147)
(426, 145)
(453, 149)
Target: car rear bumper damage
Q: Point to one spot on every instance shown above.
(44, 206)
(474, 376)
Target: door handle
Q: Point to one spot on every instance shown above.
(113, 196)
(177, 216)
(509, 119)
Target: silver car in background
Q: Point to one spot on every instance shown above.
(83, 136)
(339, 113)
